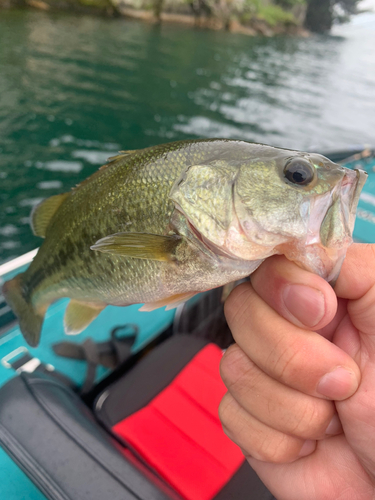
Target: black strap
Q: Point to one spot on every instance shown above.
(92, 357)
(109, 354)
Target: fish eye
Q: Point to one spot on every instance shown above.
(299, 171)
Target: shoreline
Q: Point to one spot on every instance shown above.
(234, 26)
(110, 8)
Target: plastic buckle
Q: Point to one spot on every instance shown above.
(29, 366)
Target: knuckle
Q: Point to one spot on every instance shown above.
(313, 419)
(288, 360)
(233, 366)
(283, 449)
(236, 302)
(226, 411)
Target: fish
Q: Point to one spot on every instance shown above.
(157, 226)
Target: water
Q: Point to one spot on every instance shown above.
(75, 90)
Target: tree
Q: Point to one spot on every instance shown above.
(321, 14)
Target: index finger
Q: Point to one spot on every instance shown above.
(297, 357)
(301, 297)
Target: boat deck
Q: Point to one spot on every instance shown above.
(14, 483)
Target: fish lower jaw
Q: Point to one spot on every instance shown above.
(245, 258)
(320, 260)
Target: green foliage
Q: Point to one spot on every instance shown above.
(252, 6)
(274, 14)
(289, 4)
(99, 4)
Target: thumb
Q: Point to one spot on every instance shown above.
(358, 272)
(356, 336)
(356, 284)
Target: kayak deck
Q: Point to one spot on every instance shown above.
(15, 484)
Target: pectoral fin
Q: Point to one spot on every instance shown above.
(171, 302)
(43, 213)
(139, 245)
(79, 315)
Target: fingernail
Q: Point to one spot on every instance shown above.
(334, 427)
(306, 304)
(307, 448)
(338, 384)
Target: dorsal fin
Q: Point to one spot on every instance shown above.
(120, 156)
(43, 213)
(111, 161)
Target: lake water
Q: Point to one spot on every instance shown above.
(74, 90)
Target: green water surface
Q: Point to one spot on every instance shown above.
(74, 90)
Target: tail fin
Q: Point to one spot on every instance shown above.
(30, 320)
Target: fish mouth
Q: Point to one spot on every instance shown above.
(341, 237)
(337, 226)
(330, 228)
(361, 180)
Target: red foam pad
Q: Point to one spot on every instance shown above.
(179, 432)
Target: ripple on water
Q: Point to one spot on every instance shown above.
(93, 157)
(8, 230)
(30, 202)
(62, 166)
(49, 185)
(88, 143)
(10, 244)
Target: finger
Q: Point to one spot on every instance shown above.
(275, 404)
(301, 297)
(357, 283)
(296, 357)
(329, 330)
(357, 275)
(331, 472)
(257, 439)
(362, 312)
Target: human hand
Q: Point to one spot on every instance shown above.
(301, 378)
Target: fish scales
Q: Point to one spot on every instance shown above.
(157, 225)
(133, 197)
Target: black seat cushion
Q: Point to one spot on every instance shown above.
(54, 438)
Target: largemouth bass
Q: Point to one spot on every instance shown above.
(158, 225)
